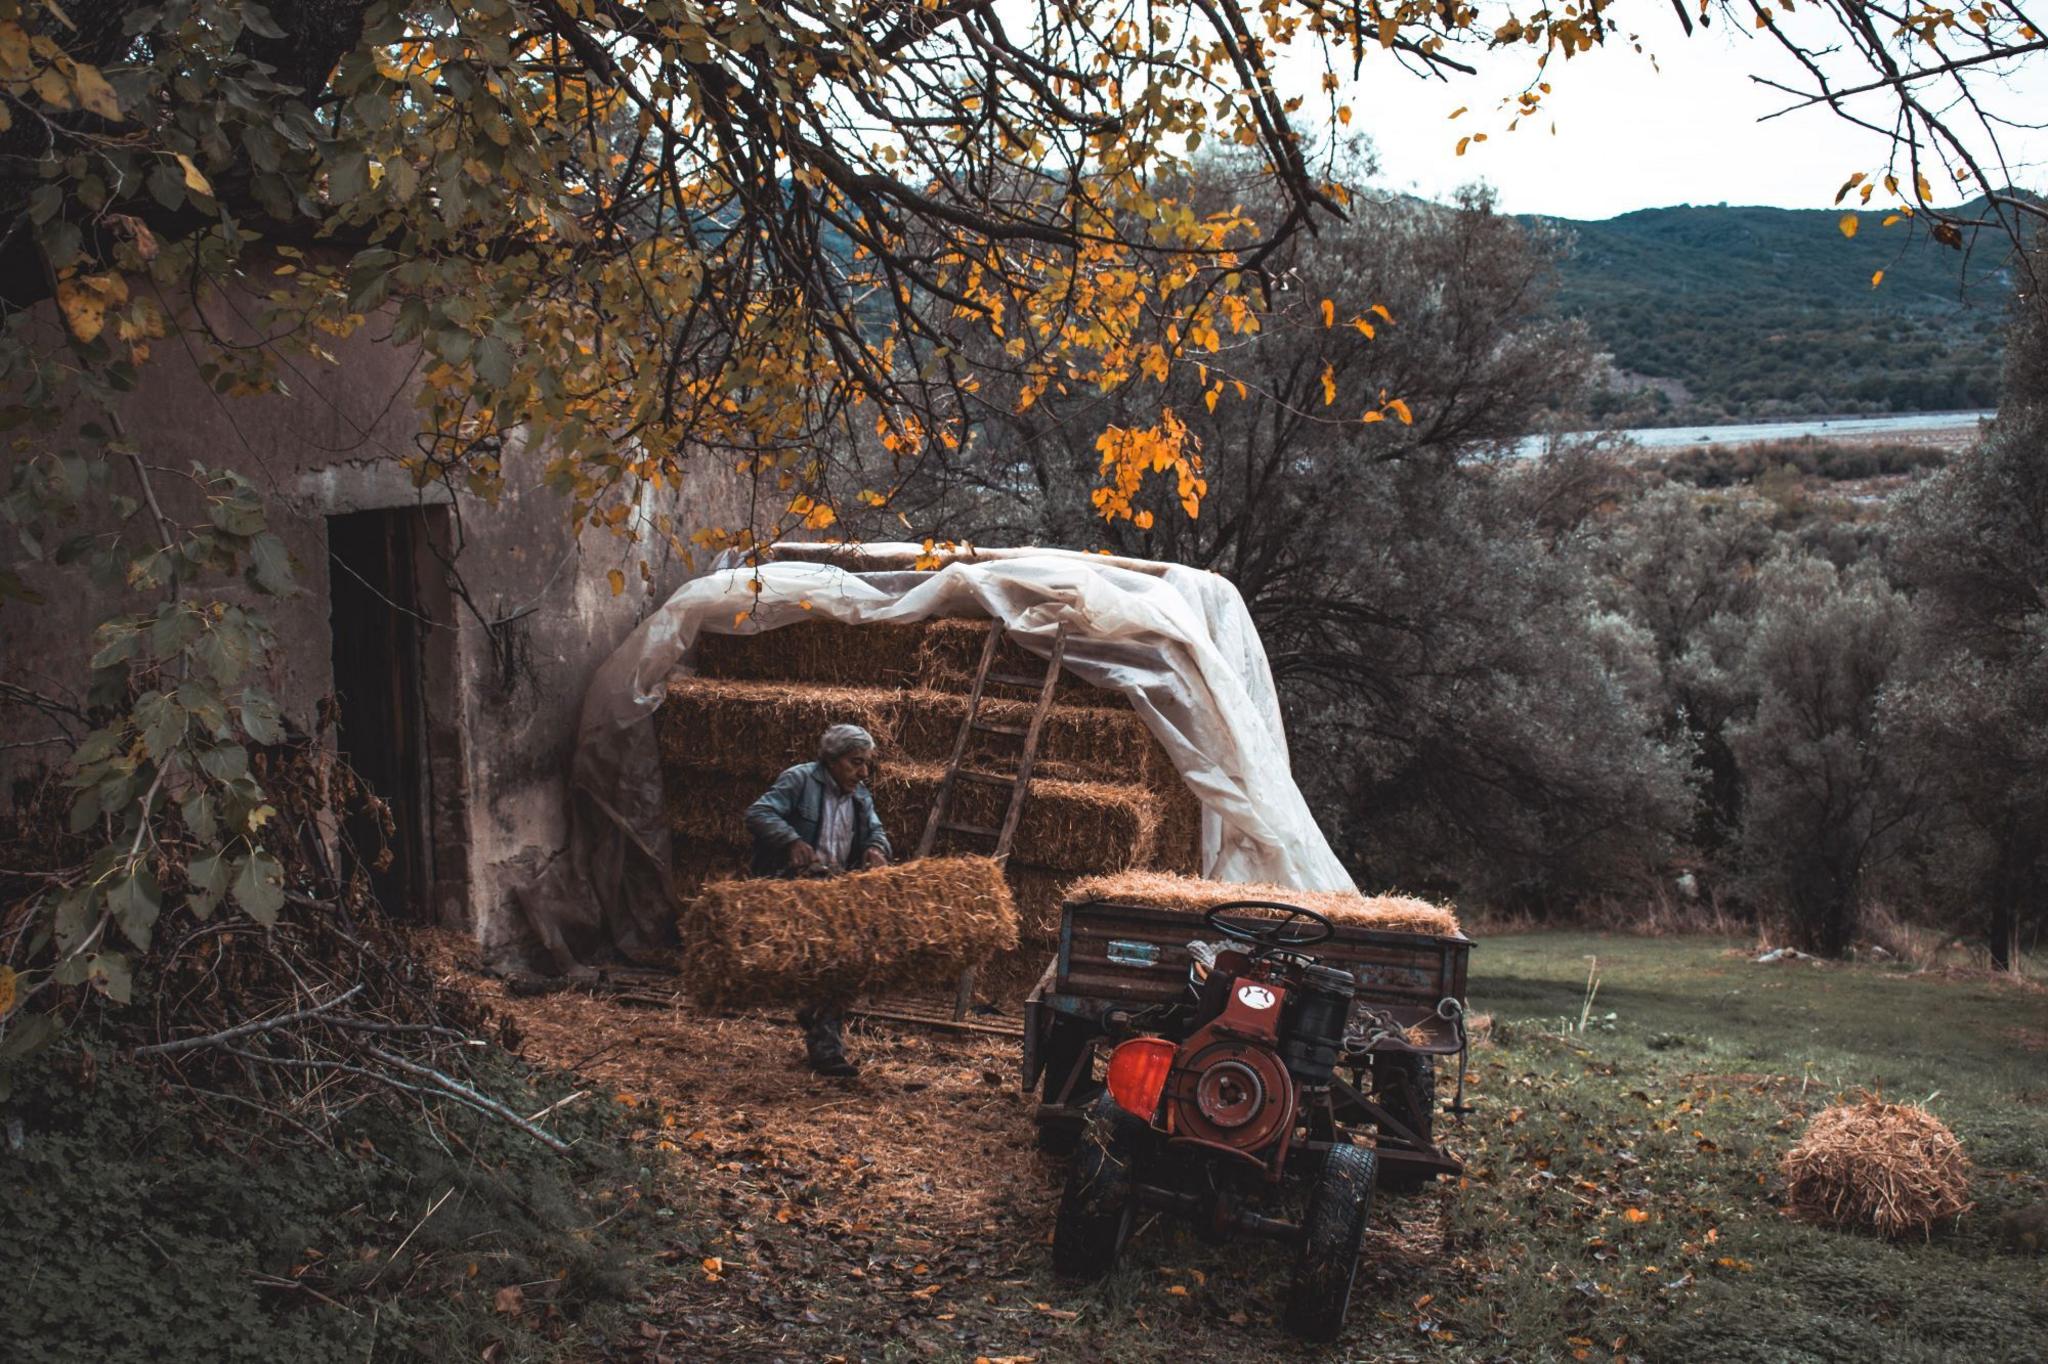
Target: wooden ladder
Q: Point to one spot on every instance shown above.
(1019, 782)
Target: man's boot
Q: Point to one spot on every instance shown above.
(822, 1045)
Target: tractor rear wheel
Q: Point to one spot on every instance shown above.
(1098, 1203)
(1333, 1233)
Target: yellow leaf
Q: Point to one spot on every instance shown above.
(1381, 309)
(1329, 313)
(1209, 398)
(94, 94)
(1877, 279)
(1143, 520)
(194, 181)
(1371, 417)
(617, 580)
(6, 990)
(1848, 224)
(1457, 111)
(1463, 143)
(1329, 385)
(1178, 1290)
(1344, 114)
(1365, 327)
(1400, 409)
(84, 301)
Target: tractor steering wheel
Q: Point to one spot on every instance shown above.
(1298, 928)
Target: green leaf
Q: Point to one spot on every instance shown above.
(259, 887)
(136, 902)
(26, 1035)
(260, 719)
(348, 175)
(73, 918)
(224, 762)
(200, 818)
(208, 876)
(494, 362)
(204, 705)
(270, 565)
(176, 626)
(162, 721)
(109, 973)
(85, 810)
(241, 514)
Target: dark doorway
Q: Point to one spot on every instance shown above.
(379, 683)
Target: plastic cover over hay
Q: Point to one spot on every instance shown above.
(806, 941)
(1389, 913)
(1895, 1169)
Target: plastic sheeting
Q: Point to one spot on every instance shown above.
(1177, 642)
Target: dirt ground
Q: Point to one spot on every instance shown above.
(905, 1214)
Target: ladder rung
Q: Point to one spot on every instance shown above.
(1017, 679)
(974, 829)
(1014, 731)
(987, 778)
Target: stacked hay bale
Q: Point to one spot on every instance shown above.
(1895, 1169)
(1104, 795)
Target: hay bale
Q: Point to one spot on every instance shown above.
(818, 652)
(1068, 825)
(1893, 1168)
(1388, 913)
(1039, 893)
(1080, 743)
(774, 941)
(759, 728)
(695, 862)
(951, 651)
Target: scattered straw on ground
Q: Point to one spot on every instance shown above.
(1894, 1168)
(837, 937)
(1391, 913)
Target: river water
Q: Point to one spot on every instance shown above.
(1947, 428)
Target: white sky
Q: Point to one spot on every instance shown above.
(1632, 135)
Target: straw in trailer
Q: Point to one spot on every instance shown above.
(1389, 913)
(809, 941)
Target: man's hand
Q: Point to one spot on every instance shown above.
(876, 858)
(801, 854)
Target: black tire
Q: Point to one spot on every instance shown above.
(1333, 1233)
(1408, 1088)
(1097, 1205)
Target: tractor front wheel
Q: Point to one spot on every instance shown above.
(1333, 1233)
(1098, 1204)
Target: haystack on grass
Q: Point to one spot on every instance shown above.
(1893, 1168)
(803, 941)
(761, 727)
(1389, 913)
(816, 653)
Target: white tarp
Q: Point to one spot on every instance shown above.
(1178, 642)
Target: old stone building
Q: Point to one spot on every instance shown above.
(457, 635)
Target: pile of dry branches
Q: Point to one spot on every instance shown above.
(282, 1031)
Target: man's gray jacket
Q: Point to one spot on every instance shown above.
(794, 807)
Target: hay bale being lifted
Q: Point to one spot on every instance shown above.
(1893, 1168)
(803, 941)
(1388, 913)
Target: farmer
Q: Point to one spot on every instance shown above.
(819, 820)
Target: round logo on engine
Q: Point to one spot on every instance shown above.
(1255, 996)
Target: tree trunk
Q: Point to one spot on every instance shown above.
(2005, 935)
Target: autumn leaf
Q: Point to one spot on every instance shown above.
(1636, 1215)
(85, 300)
(509, 1301)
(1329, 385)
(1329, 313)
(617, 580)
(94, 94)
(1400, 409)
(194, 181)
(713, 1267)
(7, 990)
(1876, 279)
(1848, 224)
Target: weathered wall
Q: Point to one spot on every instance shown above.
(507, 665)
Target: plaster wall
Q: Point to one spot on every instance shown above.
(522, 621)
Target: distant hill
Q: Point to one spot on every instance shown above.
(1718, 313)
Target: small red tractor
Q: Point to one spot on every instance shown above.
(1234, 1100)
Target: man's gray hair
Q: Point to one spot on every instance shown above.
(841, 740)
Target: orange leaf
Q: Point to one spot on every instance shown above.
(1329, 385)
(1329, 313)
(617, 580)
(1636, 1215)
(1877, 279)
(1400, 409)
(1848, 224)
